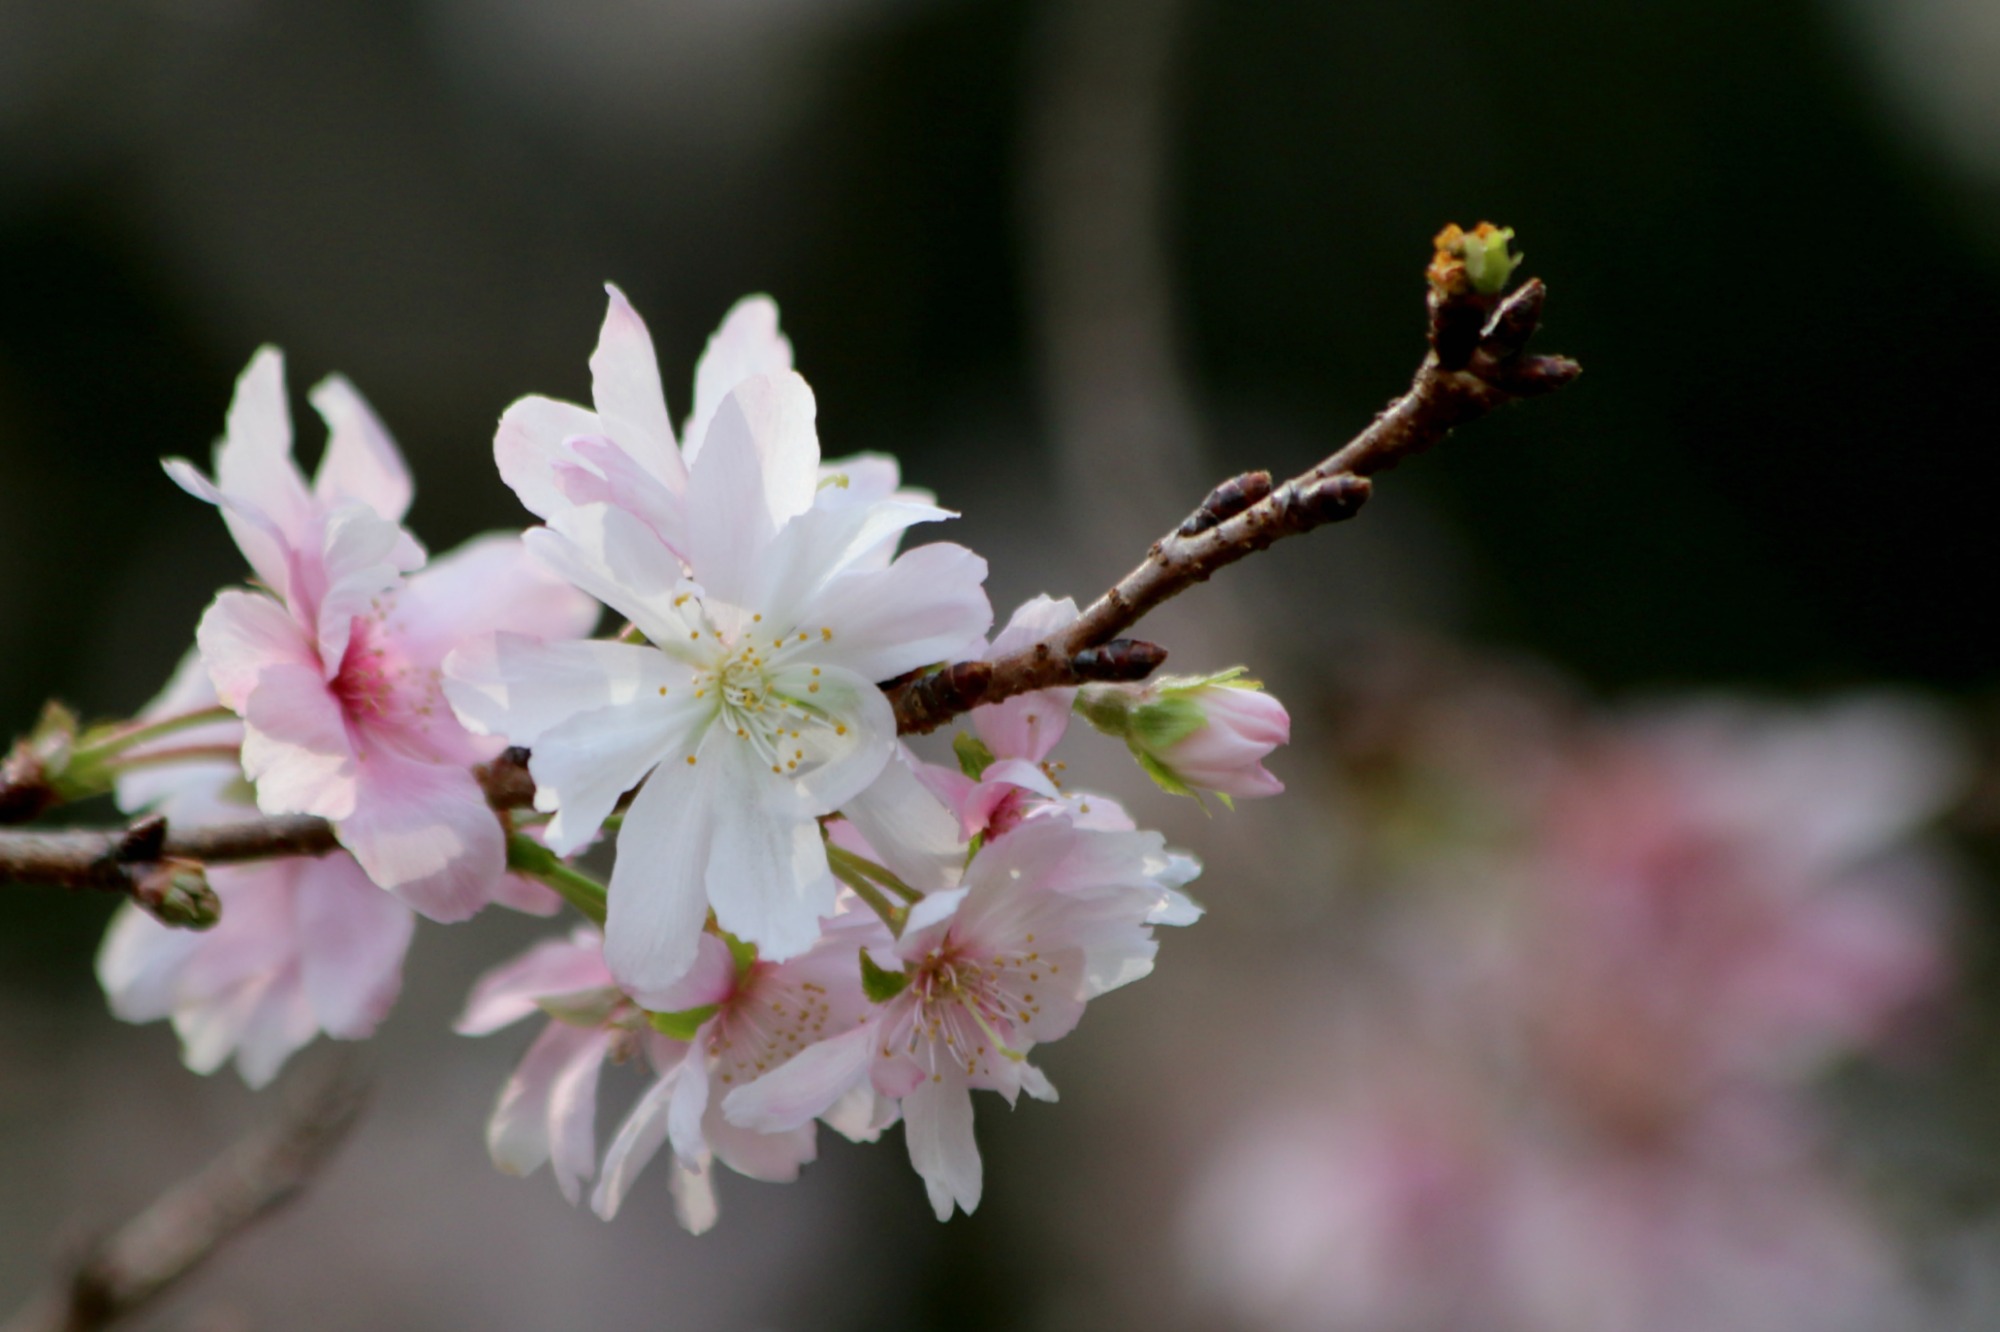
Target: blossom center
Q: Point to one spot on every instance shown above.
(968, 1008)
(770, 1018)
(785, 732)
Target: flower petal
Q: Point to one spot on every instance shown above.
(625, 386)
(507, 993)
(530, 446)
(657, 900)
(805, 1086)
(241, 635)
(767, 871)
(928, 606)
(517, 1136)
(583, 764)
(352, 940)
(361, 462)
(639, 1139)
(937, 1125)
(425, 832)
(745, 345)
(488, 585)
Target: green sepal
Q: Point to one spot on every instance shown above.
(974, 758)
(745, 953)
(1166, 721)
(1487, 262)
(1163, 777)
(581, 1008)
(681, 1026)
(878, 984)
(1107, 708)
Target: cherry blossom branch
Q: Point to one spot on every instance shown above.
(1478, 362)
(182, 1228)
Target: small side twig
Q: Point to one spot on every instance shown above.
(184, 1227)
(1478, 362)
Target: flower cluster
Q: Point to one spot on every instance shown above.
(805, 920)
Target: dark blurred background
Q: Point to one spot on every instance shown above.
(1016, 245)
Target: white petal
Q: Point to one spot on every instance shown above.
(694, 1198)
(688, 1107)
(937, 1124)
(625, 386)
(913, 832)
(767, 872)
(520, 688)
(746, 344)
(928, 606)
(361, 462)
(837, 767)
(658, 902)
(583, 764)
(615, 557)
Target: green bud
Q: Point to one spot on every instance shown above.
(177, 892)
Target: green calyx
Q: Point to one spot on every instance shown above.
(878, 983)
(974, 758)
(683, 1025)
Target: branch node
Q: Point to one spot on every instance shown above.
(1223, 503)
(943, 694)
(1122, 660)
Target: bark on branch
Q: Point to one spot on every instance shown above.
(183, 1227)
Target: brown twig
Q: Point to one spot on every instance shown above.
(1463, 378)
(183, 1227)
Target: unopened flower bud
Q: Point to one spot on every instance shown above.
(177, 892)
(1478, 258)
(1207, 733)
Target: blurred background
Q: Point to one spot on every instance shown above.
(1622, 955)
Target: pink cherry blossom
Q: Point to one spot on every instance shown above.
(1049, 917)
(547, 1111)
(334, 665)
(753, 706)
(759, 1015)
(303, 946)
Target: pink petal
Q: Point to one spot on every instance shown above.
(425, 832)
(243, 634)
(806, 1085)
(253, 463)
(297, 750)
(518, 1134)
(508, 993)
(639, 1140)
(361, 462)
(352, 939)
(488, 585)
